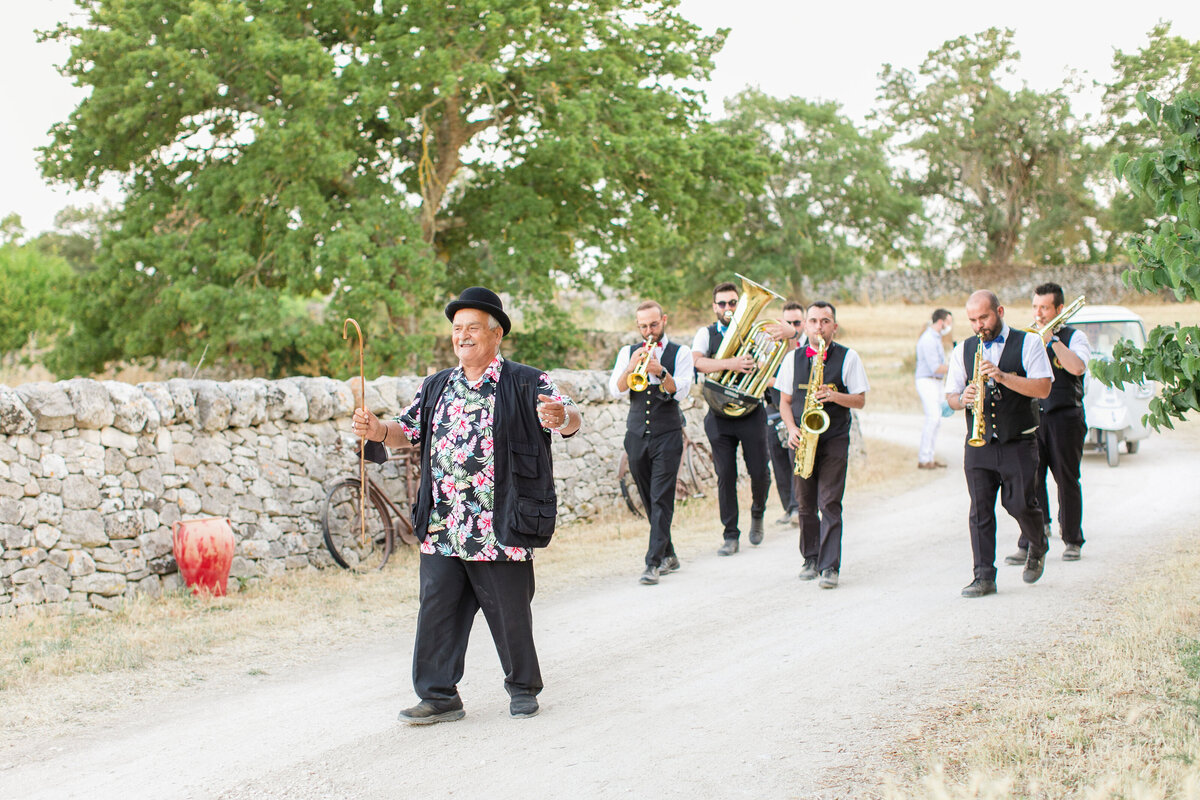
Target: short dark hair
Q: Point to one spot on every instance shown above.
(824, 304)
(939, 315)
(723, 287)
(792, 305)
(1051, 288)
(648, 304)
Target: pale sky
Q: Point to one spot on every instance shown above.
(819, 51)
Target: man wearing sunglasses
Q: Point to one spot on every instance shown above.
(782, 458)
(726, 433)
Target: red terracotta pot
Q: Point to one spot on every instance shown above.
(204, 552)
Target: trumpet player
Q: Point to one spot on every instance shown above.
(1015, 373)
(726, 433)
(1063, 429)
(822, 491)
(657, 375)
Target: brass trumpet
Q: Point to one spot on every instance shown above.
(1064, 315)
(639, 379)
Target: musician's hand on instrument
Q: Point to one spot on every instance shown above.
(824, 393)
(367, 426)
(778, 331)
(989, 370)
(551, 412)
(654, 367)
(794, 437)
(743, 363)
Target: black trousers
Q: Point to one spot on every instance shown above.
(1060, 439)
(781, 467)
(452, 590)
(724, 435)
(822, 491)
(654, 465)
(1011, 469)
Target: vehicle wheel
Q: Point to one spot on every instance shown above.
(344, 536)
(700, 469)
(1112, 448)
(1131, 446)
(629, 491)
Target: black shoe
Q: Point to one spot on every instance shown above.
(1019, 557)
(523, 706)
(786, 519)
(426, 713)
(979, 588)
(829, 579)
(809, 572)
(669, 564)
(1072, 553)
(1033, 569)
(729, 548)
(650, 575)
(756, 530)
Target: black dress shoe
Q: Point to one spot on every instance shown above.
(1072, 553)
(979, 588)
(523, 706)
(809, 572)
(1033, 569)
(729, 548)
(756, 530)
(426, 713)
(1018, 557)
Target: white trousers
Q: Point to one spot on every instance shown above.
(932, 394)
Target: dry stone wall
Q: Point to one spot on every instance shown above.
(93, 475)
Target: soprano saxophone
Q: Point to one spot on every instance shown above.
(977, 427)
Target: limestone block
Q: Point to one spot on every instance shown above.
(106, 603)
(162, 565)
(46, 535)
(255, 548)
(52, 574)
(172, 582)
(80, 563)
(15, 537)
(31, 446)
(160, 397)
(92, 405)
(218, 502)
(150, 519)
(286, 400)
(129, 563)
(321, 403)
(189, 501)
(210, 475)
(29, 594)
(114, 460)
(125, 524)
(101, 583)
(11, 490)
(240, 516)
(116, 438)
(149, 586)
(213, 407)
(55, 593)
(213, 450)
(151, 482)
(295, 562)
(83, 527)
(24, 576)
(406, 390)
(80, 492)
(49, 404)
(59, 557)
(248, 401)
(381, 396)
(271, 568)
(185, 455)
(168, 515)
(243, 568)
(15, 417)
(275, 472)
(157, 542)
(133, 412)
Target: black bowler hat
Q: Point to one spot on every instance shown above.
(482, 299)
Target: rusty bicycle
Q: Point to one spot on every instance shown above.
(385, 520)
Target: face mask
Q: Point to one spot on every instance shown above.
(946, 330)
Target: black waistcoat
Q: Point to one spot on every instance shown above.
(715, 337)
(655, 410)
(1008, 415)
(1067, 389)
(525, 503)
(839, 416)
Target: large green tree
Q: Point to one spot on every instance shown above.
(372, 157)
(830, 204)
(36, 289)
(1005, 168)
(1166, 257)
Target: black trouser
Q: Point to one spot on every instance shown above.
(654, 465)
(1010, 468)
(1060, 448)
(452, 590)
(821, 538)
(781, 465)
(724, 434)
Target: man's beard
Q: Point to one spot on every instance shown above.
(987, 334)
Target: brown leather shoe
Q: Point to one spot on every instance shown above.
(926, 465)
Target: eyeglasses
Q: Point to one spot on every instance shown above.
(725, 303)
(796, 323)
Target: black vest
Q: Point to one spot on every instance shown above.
(655, 410)
(839, 416)
(1067, 389)
(1008, 415)
(525, 501)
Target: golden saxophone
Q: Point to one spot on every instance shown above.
(639, 379)
(813, 420)
(978, 381)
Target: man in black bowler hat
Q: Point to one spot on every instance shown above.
(486, 501)
(1017, 374)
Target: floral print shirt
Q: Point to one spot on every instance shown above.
(462, 466)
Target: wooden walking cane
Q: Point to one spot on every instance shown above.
(362, 444)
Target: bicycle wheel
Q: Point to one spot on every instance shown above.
(698, 468)
(340, 525)
(629, 489)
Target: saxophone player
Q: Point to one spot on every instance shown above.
(845, 388)
(1016, 374)
(654, 430)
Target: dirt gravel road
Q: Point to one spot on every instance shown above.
(730, 679)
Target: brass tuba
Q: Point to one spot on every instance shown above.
(735, 394)
(814, 420)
